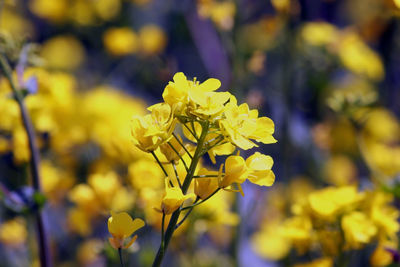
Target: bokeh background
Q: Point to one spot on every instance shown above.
(326, 72)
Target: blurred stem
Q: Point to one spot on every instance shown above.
(120, 257)
(234, 248)
(188, 179)
(34, 164)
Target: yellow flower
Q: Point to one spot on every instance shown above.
(153, 129)
(13, 232)
(271, 243)
(319, 33)
(223, 149)
(169, 152)
(173, 198)
(322, 262)
(120, 41)
(384, 216)
(63, 52)
(152, 39)
(328, 202)
(340, 170)
(148, 169)
(235, 171)
(358, 229)
(199, 98)
(79, 221)
(359, 58)
(381, 256)
(54, 11)
(89, 252)
(207, 102)
(299, 230)
(242, 124)
(121, 226)
(176, 92)
(260, 166)
(203, 187)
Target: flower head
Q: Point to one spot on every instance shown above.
(121, 226)
(173, 198)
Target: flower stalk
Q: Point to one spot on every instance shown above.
(188, 179)
(34, 164)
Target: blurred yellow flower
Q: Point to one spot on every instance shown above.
(359, 58)
(14, 24)
(106, 9)
(13, 232)
(63, 52)
(358, 229)
(271, 243)
(121, 41)
(152, 39)
(89, 252)
(340, 170)
(319, 33)
(381, 256)
(330, 201)
(55, 11)
(322, 262)
(121, 226)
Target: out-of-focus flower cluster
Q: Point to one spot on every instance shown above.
(328, 222)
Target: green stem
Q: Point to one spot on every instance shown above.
(159, 163)
(205, 176)
(176, 174)
(188, 179)
(204, 200)
(44, 250)
(186, 215)
(190, 131)
(182, 145)
(179, 155)
(161, 166)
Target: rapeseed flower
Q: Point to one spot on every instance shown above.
(121, 226)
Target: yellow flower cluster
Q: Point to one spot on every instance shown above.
(150, 40)
(348, 45)
(91, 128)
(217, 125)
(326, 222)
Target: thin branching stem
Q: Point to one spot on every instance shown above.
(188, 179)
(179, 155)
(162, 167)
(205, 176)
(204, 200)
(186, 215)
(182, 145)
(190, 131)
(176, 175)
(44, 249)
(159, 163)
